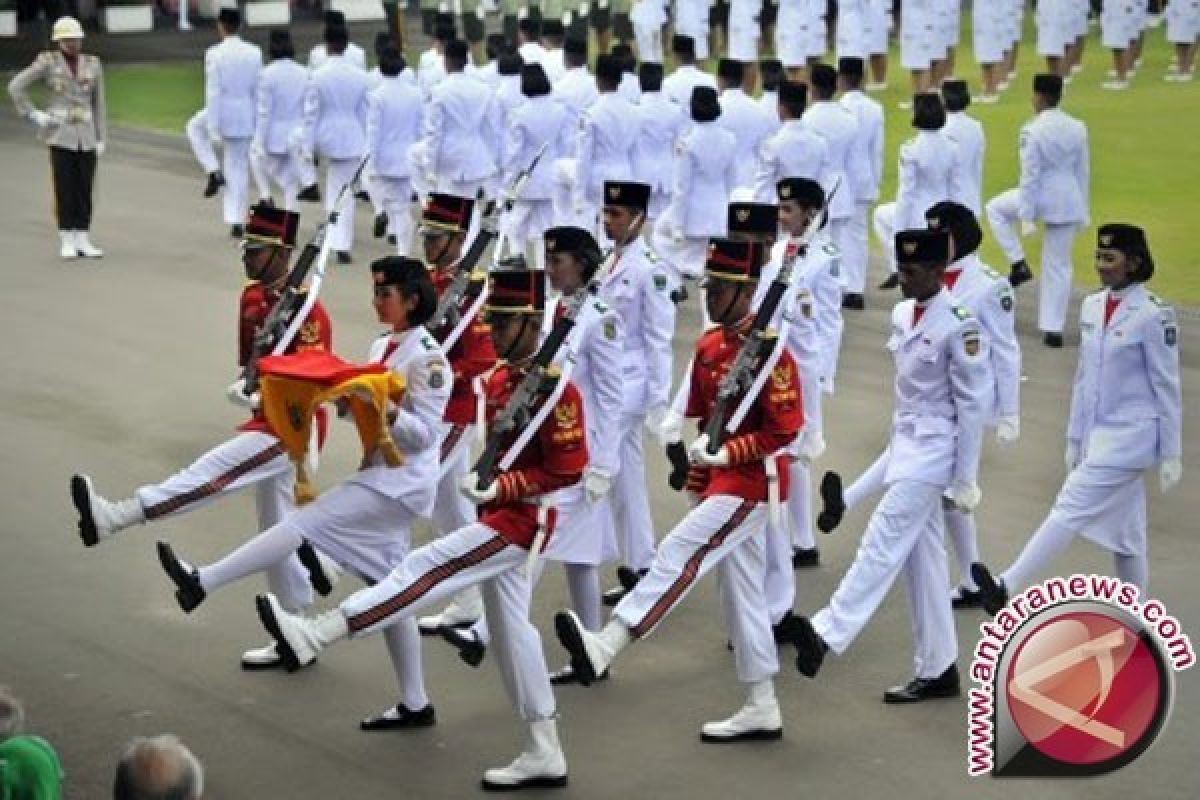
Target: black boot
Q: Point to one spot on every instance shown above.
(188, 591)
(310, 194)
(381, 222)
(215, 181)
(891, 282)
(993, 593)
(1020, 273)
(834, 505)
(853, 302)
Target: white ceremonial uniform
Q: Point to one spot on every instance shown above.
(795, 31)
(769, 100)
(990, 31)
(663, 122)
(1183, 21)
(941, 381)
(279, 127)
(971, 143)
(431, 70)
(919, 36)
(648, 18)
(507, 99)
(539, 120)
(354, 55)
(576, 90)
(794, 151)
(1120, 24)
(638, 289)
(704, 177)
(691, 19)
(866, 176)
(1053, 35)
(1126, 416)
(630, 88)
(879, 19)
(853, 29)
(744, 29)
(949, 16)
(742, 116)
(554, 63)
(231, 71)
(677, 87)
(456, 154)
(1054, 188)
(602, 151)
(335, 120)
(929, 172)
(839, 128)
(394, 116)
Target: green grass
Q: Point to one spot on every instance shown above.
(1144, 145)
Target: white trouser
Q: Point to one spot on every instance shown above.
(856, 248)
(574, 205)
(905, 533)
(249, 459)
(235, 197)
(1054, 278)
(525, 225)
(202, 146)
(728, 533)
(1104, 504)
(780, 583)
(338, 173)
(281, 170)
(885, 231)
(867, 483)
(474, 555)
(631, 499)
(395, 197)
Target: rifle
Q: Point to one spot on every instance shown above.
(744, 372)
(293, 305)
(447, 314)
(518, 413)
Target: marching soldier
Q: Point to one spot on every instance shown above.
(1054, 187)
(1126, 416)
(989, 21)
(725, 530)
(1183, 29)
(879, 18)
(364, 523)
(576, 89)
(970, 144)
(678, 86)
(254, 457)
(431, 68)
(866, 175)
(648, 18)
(394, 118)
(491, 553)
(279, 118)
(654, 150)
(742, 116)
(795, 150)
(353, 53)
(74, 126)
(941, 377)
(919, 42)
(839, 128)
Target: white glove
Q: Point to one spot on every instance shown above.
(812, 446)
(669, 428)
(965, 496)
(698, 453)
(237, 395)
(1028, 227)
(40, 118)
(1072, 456)
(100, 148)
(1169, 473)
(596, 484)
(1008, 429)
(469, 486)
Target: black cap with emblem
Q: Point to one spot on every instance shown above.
(628, 194)
(752, 219)
(922, 247)
(1130, 240)
(411, 277)
(960, 222)
(804, 191)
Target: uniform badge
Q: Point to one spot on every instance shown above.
(971, 343)
(1006, 302)
(934, 222)
(909, 248)
(785, 191)
(1106, 239)
(566, 415)
(742, 214)
(660, 282)
(310, 332)
(1170, 334)
(614, 192)
(437, 378)
(781, 376)
(610, 329)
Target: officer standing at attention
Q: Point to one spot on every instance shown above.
(74, 126)
(1126, 416)
(1054, 187)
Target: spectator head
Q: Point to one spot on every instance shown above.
(851, 72)
(229, 20)
(12, 714)
(391, 61)
(456, 56)
(160, 768)
(730, 73)
(928, 112)
(793, 99)
(336, 39)
(650, 76)
(955, 94)
(824, 82)
(279, 44)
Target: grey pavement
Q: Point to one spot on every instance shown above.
(118, 368)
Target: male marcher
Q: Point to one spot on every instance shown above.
(1054, 188)
(663, 123)
(866, 175)
(742, 116)
(793, 151)
(677, 87)
(394, 117)
(353, 53)
(838, 126)
(970, 144)
(279, 121)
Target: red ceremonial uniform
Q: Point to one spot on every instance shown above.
(554, 458)
(315, 334)
(472, 355)
(772, 422)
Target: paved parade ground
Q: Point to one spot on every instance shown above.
(118, 368)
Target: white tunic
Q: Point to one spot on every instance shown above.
(967, 134)
(839, 128)
(742, 116)
(458, 143)
(703, 180)
(231, 71)
(989, 297)
(335, 109)
(677, 87)
(794, 151)
(280, 105)
(1055, 173)
(394, 114)
(866, 163)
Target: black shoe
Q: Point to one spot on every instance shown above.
(833, 503)
(391, 239)
(310, 194)
(362, 196)
(628, 578)
(918, 689)
(87, 523)
(470, 649)
(612, 596)
(810, 647)
(566, 676)
(215, 181)
(964, 598)
(679, 295)
(784, 631)
(321, 583)
(1054, 340)
(380, 228)
(993, 594)
(891, 282)
(237, 232)
(188, 591)
(269, 202)
(805, 557)
(343, 257)
(400, 718)
(853, 302)
(569, 637)
(1020, 273)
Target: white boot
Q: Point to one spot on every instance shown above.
(464, 610)
(100, 518)
(262, 658)
(542, 764)
(757, 720)
(66, 249)
(85, 247)
(591, 653)
(298, 638)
